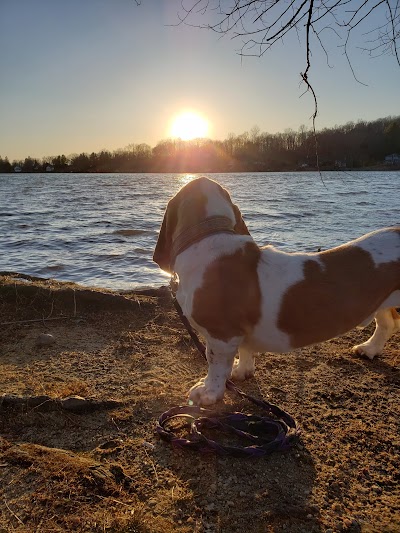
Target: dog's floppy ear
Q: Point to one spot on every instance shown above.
(162, 251)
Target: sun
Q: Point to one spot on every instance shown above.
(189, 125)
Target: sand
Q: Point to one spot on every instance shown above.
(97, 464)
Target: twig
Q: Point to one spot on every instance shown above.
(37, 320)
(12, 512)
(114, 500)
(51, 310)
(152, 464)
(74, 404)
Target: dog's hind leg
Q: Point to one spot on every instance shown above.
(387, 323)
(244, 367)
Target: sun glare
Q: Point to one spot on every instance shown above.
(189, 125)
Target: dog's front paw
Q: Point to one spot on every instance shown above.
(366, 349)
(203, 394)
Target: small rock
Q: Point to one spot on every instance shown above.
(336, 507)
(210, 507)
(74, 403)
(45, 339)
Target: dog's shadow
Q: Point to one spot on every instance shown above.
(249, 494)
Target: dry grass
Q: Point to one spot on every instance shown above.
(107, 471)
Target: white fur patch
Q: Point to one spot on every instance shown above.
(217, 204)
(277, 272)
(383, 245)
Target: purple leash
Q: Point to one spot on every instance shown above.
(277, 430)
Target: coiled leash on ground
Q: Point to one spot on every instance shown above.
(265, 434)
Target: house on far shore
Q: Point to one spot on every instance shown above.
(340, 163)
(17, 169)
(49, 168)
(392, 159)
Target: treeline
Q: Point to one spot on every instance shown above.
(354, 145)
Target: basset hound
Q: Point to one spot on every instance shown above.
(244, 299)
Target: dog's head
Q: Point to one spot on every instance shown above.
(195, 202)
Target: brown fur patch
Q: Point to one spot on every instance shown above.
(336, 296)
(228, 304)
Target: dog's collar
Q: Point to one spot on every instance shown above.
(193, 234)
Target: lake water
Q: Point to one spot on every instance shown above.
(101, 229)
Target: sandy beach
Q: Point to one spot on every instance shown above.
(85, 374)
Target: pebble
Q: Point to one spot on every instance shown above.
(45, 339)
(336, 507)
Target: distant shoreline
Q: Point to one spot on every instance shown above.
(378, 168)
(361, 145)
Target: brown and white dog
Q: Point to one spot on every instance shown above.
(245, 299)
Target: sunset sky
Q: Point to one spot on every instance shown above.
(83, 75)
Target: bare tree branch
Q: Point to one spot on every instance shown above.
(260, 24)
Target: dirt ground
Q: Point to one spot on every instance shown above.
(102, 468)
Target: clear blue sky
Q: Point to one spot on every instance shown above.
(83, 75)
